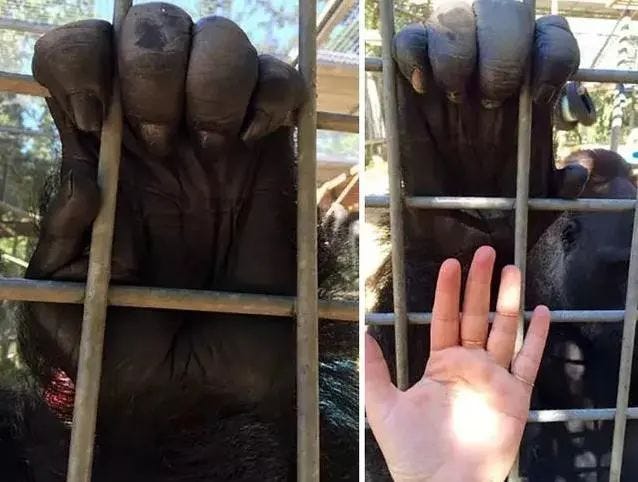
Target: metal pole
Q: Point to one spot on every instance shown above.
(396, 216)
(558, 316)
(20, 289)
(626, 357)
(505, 204)
(87, 385)
(307, 322)
(524, 148)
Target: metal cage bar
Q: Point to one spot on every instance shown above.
(558, 316)
(386, 12)
(506, 204)
(20, 289)
(307, 321)
(87, 386)
(626, 358)
(524, 149)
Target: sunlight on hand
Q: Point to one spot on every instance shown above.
(474, 422)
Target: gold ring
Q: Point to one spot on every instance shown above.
(526, 382)
(473, 343)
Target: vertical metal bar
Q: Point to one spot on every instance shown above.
(87, 386)
(524, 149)
(620, 99)
(396, 202)
(626, 357)
(307, 323)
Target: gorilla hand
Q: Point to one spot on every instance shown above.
(206, 200)
(458, 80)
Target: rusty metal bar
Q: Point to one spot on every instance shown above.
(307, 321)
(26, 84)
(558, 316)
(505, 204)
(606, 76)
(20, 289)
(87, 386)
(396, 203)
(338, 122)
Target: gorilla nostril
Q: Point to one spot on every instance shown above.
(87, 111)
(157, 138)
(260, 125)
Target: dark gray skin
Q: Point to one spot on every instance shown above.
(206, 200)
(459, 76)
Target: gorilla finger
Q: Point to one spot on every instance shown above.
(67, 221)
(410, 51)
(222, 75)
(153, 59)
(75, 62)
(280, 91)
(504, 30)
(452, 46)
(556, 57)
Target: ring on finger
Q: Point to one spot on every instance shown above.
(521, 379)
(473, 343)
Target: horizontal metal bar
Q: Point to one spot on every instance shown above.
(21, 84)
(20, 289)
(550, 416)
(25, 26)
(27, 85)
(557, 316)
(338, 122)
(502, 203)
(374, 64)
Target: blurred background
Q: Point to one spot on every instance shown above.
(29, 144)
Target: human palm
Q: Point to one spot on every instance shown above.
(465, 418)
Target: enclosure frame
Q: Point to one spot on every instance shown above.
(521, 205)
(97, 295)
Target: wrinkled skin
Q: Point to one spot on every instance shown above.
(458, 80)
(206, 200)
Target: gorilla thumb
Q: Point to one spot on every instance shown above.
(63, 231)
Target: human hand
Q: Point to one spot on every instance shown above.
(463, 421)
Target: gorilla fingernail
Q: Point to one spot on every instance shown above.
(87, 111)
(417, 79)
(545, 94)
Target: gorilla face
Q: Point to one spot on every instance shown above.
(582, 260)
(206, 200)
